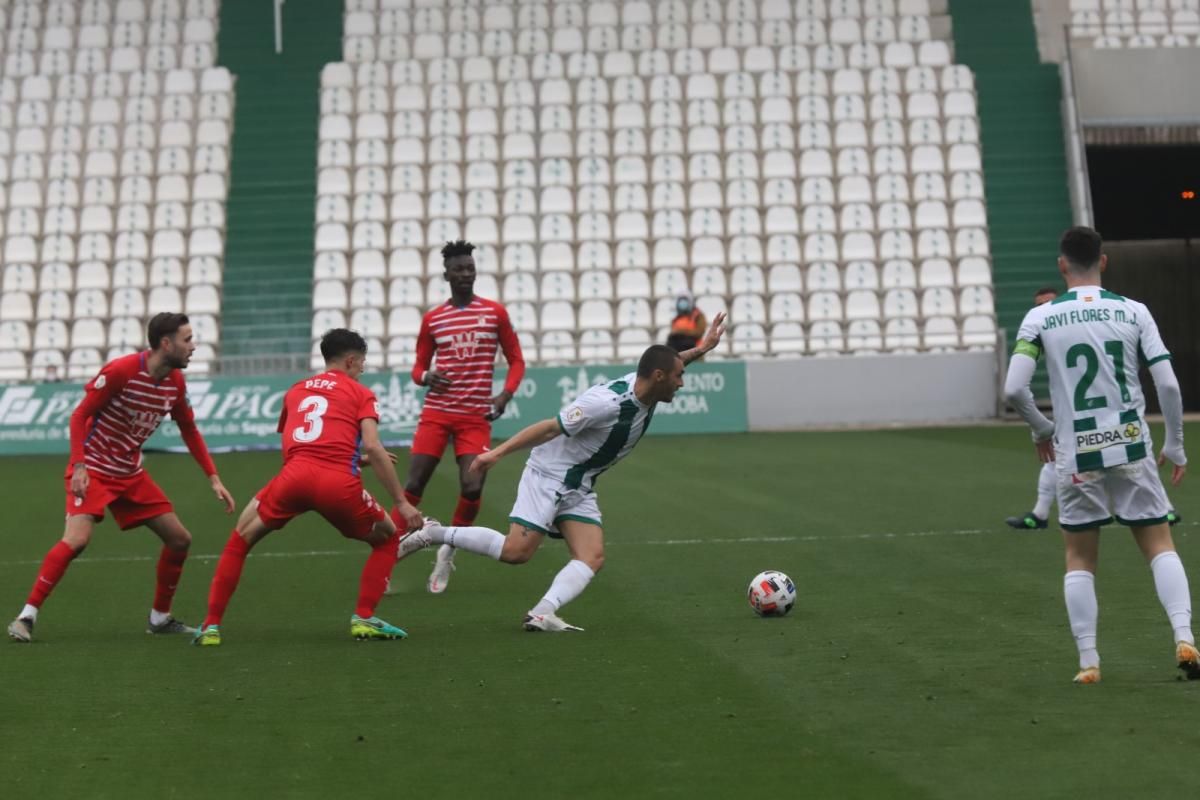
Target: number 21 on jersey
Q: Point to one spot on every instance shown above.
(313, 408)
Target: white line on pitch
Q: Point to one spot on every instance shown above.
(652, 542)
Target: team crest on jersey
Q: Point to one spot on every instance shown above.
(146, 420)
(464, 344)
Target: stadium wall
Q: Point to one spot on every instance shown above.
(237, 413)
(924, 388)
(1110, 85)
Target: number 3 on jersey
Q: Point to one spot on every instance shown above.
(313, 408)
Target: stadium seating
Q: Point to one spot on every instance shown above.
(1136, 23)
(793, 163)
(114, 152)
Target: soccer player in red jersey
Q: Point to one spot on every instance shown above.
(121, 407)
(329, 422)
(463, 334)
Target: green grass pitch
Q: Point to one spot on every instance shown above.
(929, 654)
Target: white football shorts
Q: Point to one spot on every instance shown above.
(541, 504)
(1132, 493)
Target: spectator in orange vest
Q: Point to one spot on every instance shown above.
(689, 324)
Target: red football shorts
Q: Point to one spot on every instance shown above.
(337, 496)
(472, 434)
(133, 499)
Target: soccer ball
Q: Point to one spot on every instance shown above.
(771, 594)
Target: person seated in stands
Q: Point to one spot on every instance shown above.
(689, 324)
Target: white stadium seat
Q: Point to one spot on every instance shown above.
(760, 138)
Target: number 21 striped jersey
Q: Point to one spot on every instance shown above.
(1093, 341)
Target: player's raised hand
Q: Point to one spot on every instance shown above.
(1177, 470)
(1045, 450)
(436, 381)
(712, 336)
(79, 481)
(483, 462)
(223, 494)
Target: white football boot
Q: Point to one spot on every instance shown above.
(551, 623)
(417, 540)
(439, 579)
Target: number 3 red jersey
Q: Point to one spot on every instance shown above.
(321, 417)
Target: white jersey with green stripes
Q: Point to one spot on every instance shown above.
(1093, 341)
(600, 427)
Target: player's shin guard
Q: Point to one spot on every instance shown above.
(375, 574)
(466, 511)
(1172, 585)
(51, 572)
(1079, 589)
(170, 568)
(225, 581)
(568, 584)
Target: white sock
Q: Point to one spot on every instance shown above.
(28, 612)
(1079, 588)
(446, 553)
(484, 541)
(1172, 584)
(1047, 487)
(159, 617)
(568, 584)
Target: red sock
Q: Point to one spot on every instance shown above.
(466, 511)
(53, 567)
(225, 581)
(413, 499)
(170, 567)
(375, 574)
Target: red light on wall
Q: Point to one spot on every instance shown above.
(1187, 194)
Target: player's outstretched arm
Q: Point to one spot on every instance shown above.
(1170, 400)
(1020, 397)
(712, 337)
(532, 436)
(377, 457)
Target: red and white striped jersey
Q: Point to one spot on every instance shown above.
(122, 406)
(465, 342)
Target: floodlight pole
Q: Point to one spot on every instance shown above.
(279, 26)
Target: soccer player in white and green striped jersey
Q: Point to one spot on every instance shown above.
(1047, 483)
(556, 496)
(1092, 340)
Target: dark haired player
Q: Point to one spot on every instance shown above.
(121, 407)
(329, 422)
(556, 496)
(456, 358)
(1100, 441)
